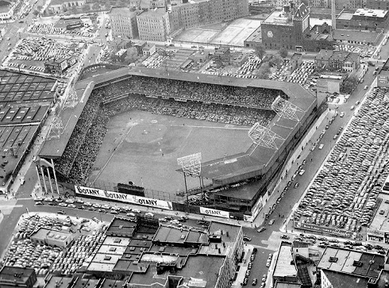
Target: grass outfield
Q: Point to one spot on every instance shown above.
(143, 148)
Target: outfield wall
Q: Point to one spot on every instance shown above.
(94, 193)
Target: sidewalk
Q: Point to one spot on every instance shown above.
(243, 266)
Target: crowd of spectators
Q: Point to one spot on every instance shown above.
(156, 96)
(258, 98)
(193, 110)
(88, 121)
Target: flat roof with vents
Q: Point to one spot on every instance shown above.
(284, 265)
(15, 86)
(352, 262)
(378, 13)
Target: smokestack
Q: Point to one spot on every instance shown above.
(333, 16)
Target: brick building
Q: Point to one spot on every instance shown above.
(17, 277)
(154, 25)
(123, 23)
(197, 13)
(363, 19)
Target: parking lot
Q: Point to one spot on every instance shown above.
(30, 54)
(343, 196)
(24, 252)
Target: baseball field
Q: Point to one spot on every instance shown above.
(143, 148)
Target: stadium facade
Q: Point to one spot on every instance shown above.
(242, 183)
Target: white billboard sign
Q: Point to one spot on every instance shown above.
(128, 198)
(214, 212)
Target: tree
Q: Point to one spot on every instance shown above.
(275, 61)
(283, 52)
(86, 8)
(260, 51)
(349, 85)
(264, 71)
(96, 6)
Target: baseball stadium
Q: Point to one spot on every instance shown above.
(136, 125)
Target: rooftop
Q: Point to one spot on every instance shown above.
(4, 6)
(109, 283)
(122, 11)
(44, 233)
(7, 274)
(352, 262)
(173, 234)
(256, 36)
(130, 266)
(345, 281)
(153, 13)
(287, 285)
(278, 18)
(345, 16)
(284, 265)
(86, 282)
(121, 227)
(58, 281)
(228, 232)
(360, 36)
(103, 262)
(116, 241)
(14, 140)
(370, 12)
(204, 267)
(24, 87)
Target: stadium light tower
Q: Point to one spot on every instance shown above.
(191, 166)
(286, 109)
(56, 128)
(263, 136)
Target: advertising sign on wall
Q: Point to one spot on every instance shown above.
(132, 199)
(214, 212)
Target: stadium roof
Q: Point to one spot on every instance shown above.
(54, 147)
(16, 86)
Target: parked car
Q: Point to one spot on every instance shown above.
(261, 229)
(246, 238)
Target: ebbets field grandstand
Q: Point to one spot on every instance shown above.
(241, 183)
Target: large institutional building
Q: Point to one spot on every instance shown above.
(187, 15)
(156, 24)
(123, 23)
(290, 29)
